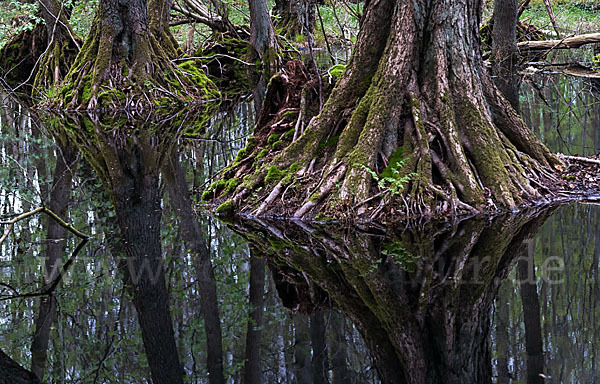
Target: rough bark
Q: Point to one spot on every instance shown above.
(125, 61)
(193, 238)
(262, 35)
(61, 49)
(414, 102)
(422, 306)
(12, 373)
(55, 234)
(253, 373)
(505, 55)
(295, 17)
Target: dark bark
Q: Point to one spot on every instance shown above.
(253, 373)
(505, 55)
(423, 306)
(320, 363)
(302, 351)
(415, 101)
(531, 317)
(12, 373)
(193, 238)
(55, 234)
(338, 350)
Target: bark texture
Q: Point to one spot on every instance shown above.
(505, 54)
(125, 61)
(413, 103)
(12, 373)
(295, 17)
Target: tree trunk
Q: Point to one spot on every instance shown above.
(253, 373)
(296, 17)
(505, 55)
(338, 350)
(59, 201)
(262, 35)
(302, 363)
(531, 316)
(62, 46)
(193, 238)
(13, 373)
(125, 61)
(416, 108)
(320, 363)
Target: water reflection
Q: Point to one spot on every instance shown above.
(166, 294)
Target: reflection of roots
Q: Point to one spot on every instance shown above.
(405, 291)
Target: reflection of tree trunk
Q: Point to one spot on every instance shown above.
(531, 316)
(423, 306)
(59, 201)
(252, 368)
(339, 365)
(13, 373)
(193, 238)
(319, 347)
(502, 326)
(302, 361)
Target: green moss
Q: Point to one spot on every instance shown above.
(207, 195)
(262, 154)
(279, 145)
(240, 155)
(226, 209)
(289, 135)
(231, 185)
(337, 70)
(274, 174)
(273, 138)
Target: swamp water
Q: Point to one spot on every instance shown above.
(513, 298)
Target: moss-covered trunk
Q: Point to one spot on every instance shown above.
(414, 126)
(126, 61)
(295, 17)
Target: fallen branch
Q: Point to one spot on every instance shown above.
(579, 158)
(567, 43)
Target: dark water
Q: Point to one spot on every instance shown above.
(512, 298)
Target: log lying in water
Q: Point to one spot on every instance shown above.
(567, 43)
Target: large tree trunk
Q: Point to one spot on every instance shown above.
(62, 46)
(127, 160)
(414, 102)
(262, 35)
(125, 61)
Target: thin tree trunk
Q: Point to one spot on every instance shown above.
(253, 373)
(338, 350)
(262, 35)
(320, 363)
(193, 238)
(302, 351)
(505, 55)
(531, 317)
(55, 235)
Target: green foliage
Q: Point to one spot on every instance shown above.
(17, 16)
(394, 183)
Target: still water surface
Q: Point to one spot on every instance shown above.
(509, 299)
